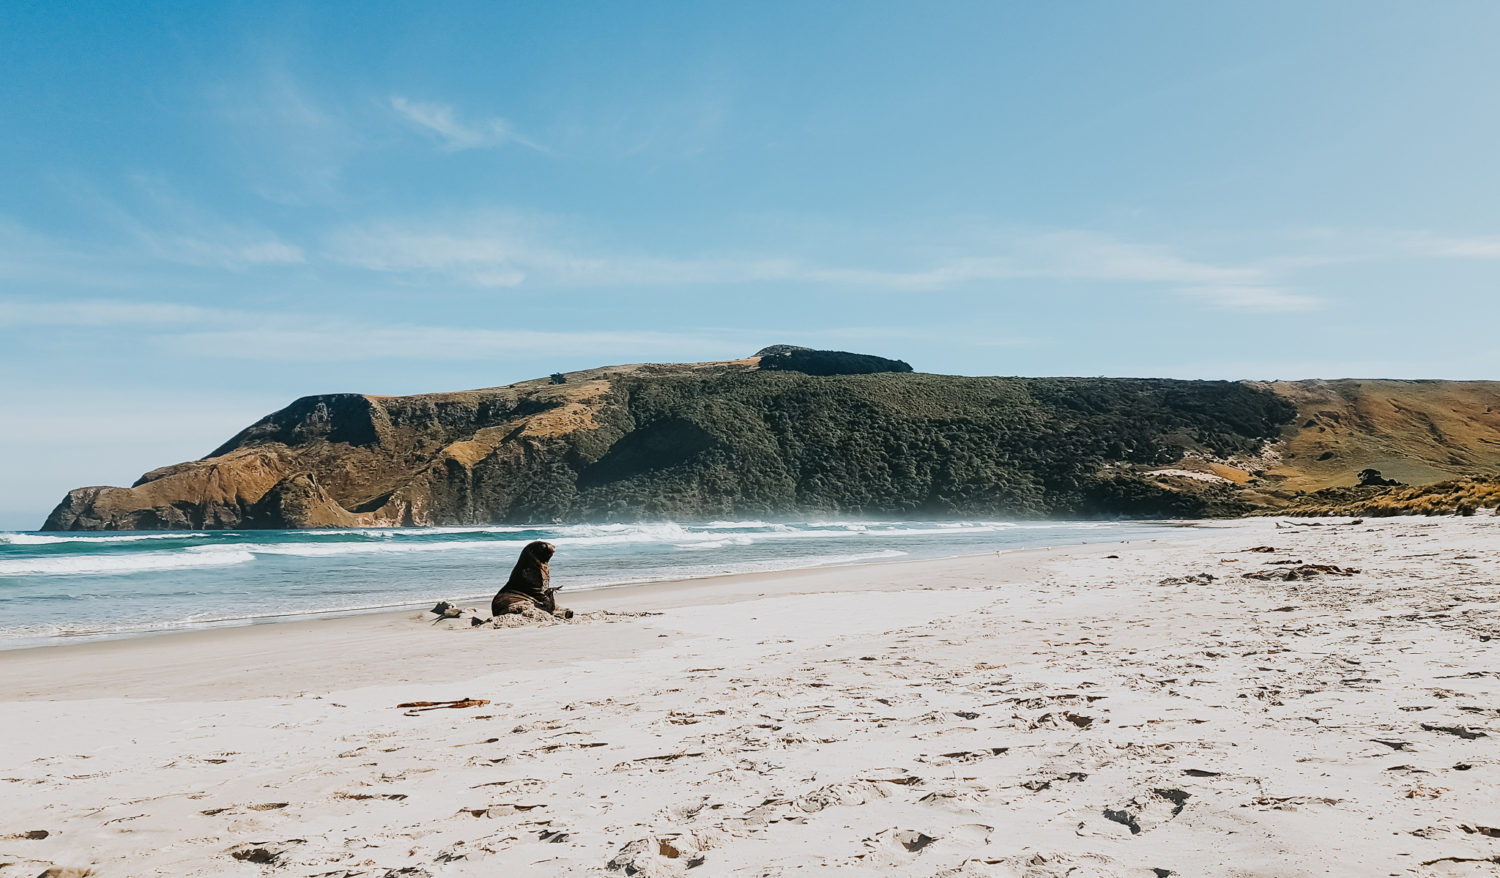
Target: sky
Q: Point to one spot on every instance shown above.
(208, 210)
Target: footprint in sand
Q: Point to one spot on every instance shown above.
(1148, 811)
(653, 856)
(911, 840)
(267, 853)
(962, 756)
(854, 793)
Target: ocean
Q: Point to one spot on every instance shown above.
(57, 587)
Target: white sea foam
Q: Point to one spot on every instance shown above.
(566, 537)
(324, 550)
(428, 531)
(718, 543)
(113, 564)
(864, 556)
(710, 536)
(31, 539)
(202, 620)
(700, 571)
(742, 525)
(940, 530)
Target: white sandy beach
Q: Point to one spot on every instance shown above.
(1039, 713)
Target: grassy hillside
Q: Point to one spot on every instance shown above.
(1416, 432)
(710, 440)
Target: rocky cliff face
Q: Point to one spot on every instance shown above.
(349, 460)
(719, 439)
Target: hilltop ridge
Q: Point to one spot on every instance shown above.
(816, 432)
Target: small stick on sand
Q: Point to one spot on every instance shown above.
(420, 706)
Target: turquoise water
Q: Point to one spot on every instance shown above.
(88, 586)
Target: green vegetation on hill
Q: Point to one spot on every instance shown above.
(762, 443)
(785, 358)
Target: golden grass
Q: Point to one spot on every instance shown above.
(1418, 432)
(1232, 473)
(1459, 497)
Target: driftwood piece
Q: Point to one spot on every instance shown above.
(415, 707)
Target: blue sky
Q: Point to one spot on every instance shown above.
(207, 210)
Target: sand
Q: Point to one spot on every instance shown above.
(1086, 711)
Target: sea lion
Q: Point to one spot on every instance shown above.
(529, 583)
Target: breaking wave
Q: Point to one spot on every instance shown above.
(114, 565)
(27, 539)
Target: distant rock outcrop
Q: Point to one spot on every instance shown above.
(709, 440)
(790, 358)
(777, 350)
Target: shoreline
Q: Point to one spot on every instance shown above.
(298, 617)
(146, 654)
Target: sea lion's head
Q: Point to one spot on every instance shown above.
(540, 550)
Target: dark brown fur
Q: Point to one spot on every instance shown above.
(530, 583)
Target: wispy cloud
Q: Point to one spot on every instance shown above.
(138, 255)
(225, 333)
(509, 251)
(338, 341)
(442, 122)
(1093, 256)
(1437, 245)
(495, 249)
(1329, 246)
(30, 257)
(162, 224)
(1253, 297)
(231, 248)
(221, 333)
(101, 312)
(290, 143)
